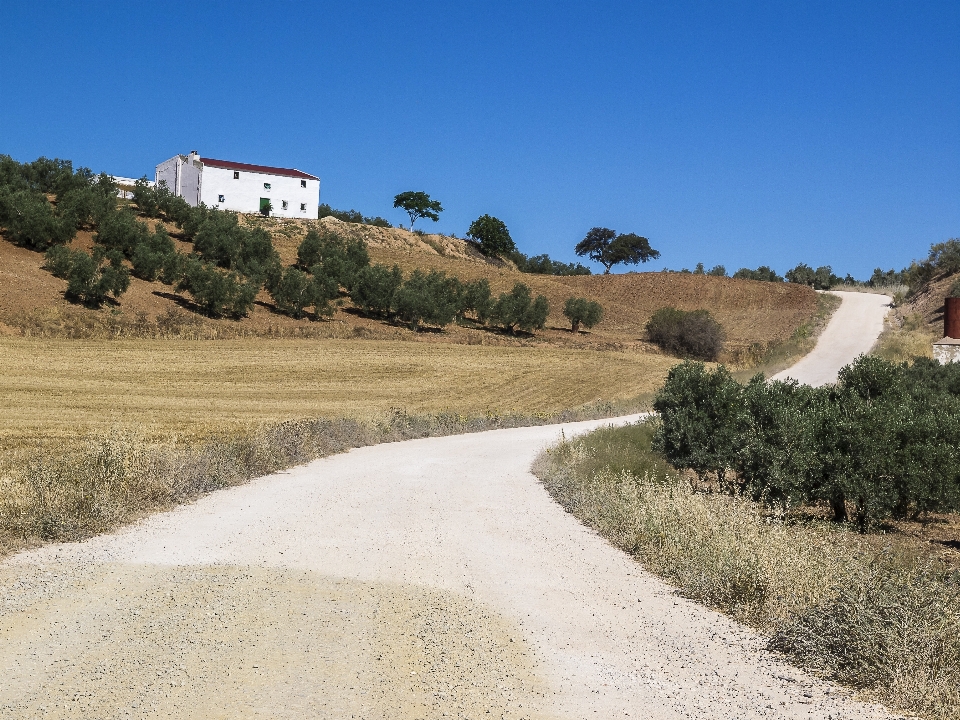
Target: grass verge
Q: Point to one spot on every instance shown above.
(905, 336)
(95, 484)
(880, 616)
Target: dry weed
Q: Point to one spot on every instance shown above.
(905, 337)
(886, 622)
(68, 493)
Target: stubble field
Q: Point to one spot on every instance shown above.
(66, 388)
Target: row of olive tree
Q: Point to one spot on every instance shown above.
(883, 442)
(328, 264)
(42, 206)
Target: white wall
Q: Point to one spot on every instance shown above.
(243, 194)
(182, 177)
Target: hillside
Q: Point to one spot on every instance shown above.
(755, 315)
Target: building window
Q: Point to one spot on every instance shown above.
(303, 207)
(303, 183)
(283, 203)
(220, 198)
(236, 174)
(266, 186)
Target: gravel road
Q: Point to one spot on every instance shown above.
(425, 579)
(853, 330)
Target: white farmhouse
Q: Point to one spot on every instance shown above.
(241, 187)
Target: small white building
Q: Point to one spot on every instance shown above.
(241, 187)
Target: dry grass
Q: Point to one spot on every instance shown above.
(881, 617)
(756, 316)
(63, 388)
(95, 483)
(781, 355)
(905, 336)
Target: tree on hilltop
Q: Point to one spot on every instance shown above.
(418, 205)
(604, 246)
(491, 235)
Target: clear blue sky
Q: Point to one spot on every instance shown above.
(734, 133)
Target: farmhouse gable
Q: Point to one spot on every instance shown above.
(241, 187)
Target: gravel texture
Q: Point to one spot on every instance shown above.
(442, 557)
(425, 579)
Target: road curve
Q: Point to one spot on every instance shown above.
(852, 331)
(425, 579)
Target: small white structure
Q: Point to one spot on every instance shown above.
(126, 186)
(947, 350)
(241, 187)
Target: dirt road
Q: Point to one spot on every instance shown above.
(399, 581)
(852, 330)
(426, 579)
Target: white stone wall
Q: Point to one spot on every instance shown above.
(946, 353)
(221, 189)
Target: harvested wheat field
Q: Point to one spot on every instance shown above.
(62, 388)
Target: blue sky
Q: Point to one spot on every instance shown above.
(732, 133)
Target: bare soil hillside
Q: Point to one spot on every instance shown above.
(754, 315)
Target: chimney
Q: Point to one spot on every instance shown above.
(194, 156)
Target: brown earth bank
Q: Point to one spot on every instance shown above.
(754, 315)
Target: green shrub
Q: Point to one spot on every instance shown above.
(293, 293)
(374, 287)
(296, 290)
(92, 278)
(580, 311)
(820, 279)
(145, 198)
(701, 420)
(31, 221)
(91, 202)
(475, 297)
(217, 291)
(58, 260)
(150, 255)
(222, 241)
(883, 442)
(693, 334)
(310, 249)
(491, 236)
(762, 273)
(120, 230)
(543, 265)
(517, 309)
(338, 257)
(431, 298)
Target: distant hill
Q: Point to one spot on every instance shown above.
(755, 315)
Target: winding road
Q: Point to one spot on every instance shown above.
(425, 579)
(852, 331)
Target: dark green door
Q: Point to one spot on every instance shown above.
(265, 206)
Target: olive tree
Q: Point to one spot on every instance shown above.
(518, 310)
(580, 311)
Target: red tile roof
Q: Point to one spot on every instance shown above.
(230, 165)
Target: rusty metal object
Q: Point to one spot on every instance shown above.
(951, 317)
